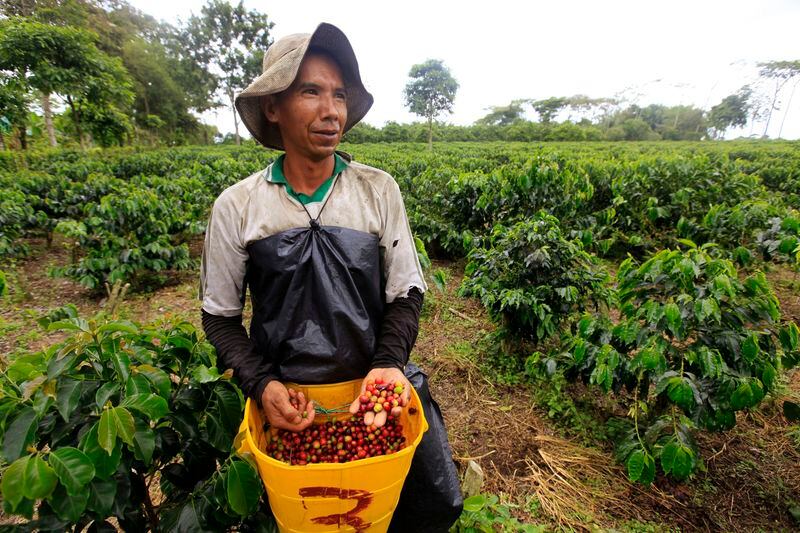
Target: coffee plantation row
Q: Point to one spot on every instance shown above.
(688, 327)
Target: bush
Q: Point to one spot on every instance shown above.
(89, 425)
(531, 277)
(693, 345)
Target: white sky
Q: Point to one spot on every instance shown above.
(677, 52)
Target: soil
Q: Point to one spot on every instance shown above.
(553, 475)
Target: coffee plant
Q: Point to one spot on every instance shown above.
(692, 345)
(128, 237)
(531, 277)
(125, 422)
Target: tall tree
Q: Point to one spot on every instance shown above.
(781, 72)
(503, 115)
(733, 111)
(65, 61)
(230, 42)
(548, 108)
(431, 91)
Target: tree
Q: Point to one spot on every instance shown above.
(431, 91)
(13, 105)
(731, 112)
(64, 61)
(781, 72)
(550, 107)
(229, 42)
(503, 115)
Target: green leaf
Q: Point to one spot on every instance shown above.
(790, 337)
(122, 326)
(123, 420)
(137, 384)
(475, 503)
(105, 464)
(69, 507)
(67, 397)
(101, 496)
(151, 405)
(13, 483)
(107, 431)
(19, 434)
(40, 479)
(105, 392)
(229, 405)
(682, 463)
(635, 465)
(122, 364)
(673, 315)
(791, 411)
(144, 442)
(742, 397)
(157, 377)
(680, 392)
(750, 348)
(243, 487)
(203, 374)
(73, 468)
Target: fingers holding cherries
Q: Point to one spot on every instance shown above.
(381, 399)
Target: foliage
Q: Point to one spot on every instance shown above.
(485, 514)
(693, 345)
(65, 61)
(431, 91)
(531, 277)
(128, 234)
(88, 425)
(229, 43)
(733, 111)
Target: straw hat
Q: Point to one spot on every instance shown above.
(281, 64)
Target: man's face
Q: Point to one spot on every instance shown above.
(312, 112)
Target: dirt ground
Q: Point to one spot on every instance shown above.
(552, 474)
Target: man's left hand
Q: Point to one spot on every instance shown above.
(388, 375)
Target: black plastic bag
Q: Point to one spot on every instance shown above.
(431, 499)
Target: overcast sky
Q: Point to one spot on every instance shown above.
(676, 52)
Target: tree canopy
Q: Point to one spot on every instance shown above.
(431, 91)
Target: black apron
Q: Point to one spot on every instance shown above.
(317, 295)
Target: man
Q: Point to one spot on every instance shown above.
(324, 245)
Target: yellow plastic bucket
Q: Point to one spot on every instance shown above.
(356, 496)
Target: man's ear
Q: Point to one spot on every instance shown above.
(269, 106)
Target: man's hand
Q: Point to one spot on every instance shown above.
(284, 407)
(388, 375)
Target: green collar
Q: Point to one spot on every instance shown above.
(275, 175)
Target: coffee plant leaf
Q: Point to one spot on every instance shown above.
(243, 487)
(151, 405)
(20, 434)
(39, 479)
(73, 468)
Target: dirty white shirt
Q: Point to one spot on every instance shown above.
(365, 199)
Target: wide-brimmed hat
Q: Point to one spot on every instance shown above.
(281, 64)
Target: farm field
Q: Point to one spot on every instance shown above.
(605, 364)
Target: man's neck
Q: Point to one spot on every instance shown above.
(304, 175)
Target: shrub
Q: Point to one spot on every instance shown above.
(693, 345)
(90, 425)
(531, 277)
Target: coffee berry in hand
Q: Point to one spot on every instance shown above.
(336, 442)
(381, 396)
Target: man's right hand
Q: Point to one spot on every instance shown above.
(284, 407)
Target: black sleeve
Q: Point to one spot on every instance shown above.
(398, 331)
(235, 350)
